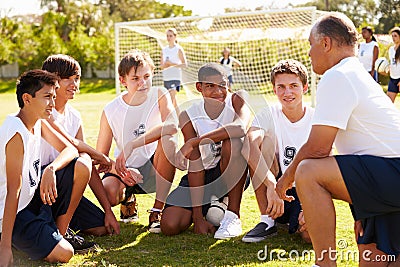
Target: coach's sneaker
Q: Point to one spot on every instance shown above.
(260, 232)
(128, 210)
(154, 221)
(231, 226)
(79, 244)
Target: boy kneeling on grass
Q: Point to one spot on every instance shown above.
(284, 127)
(212, 129)
(34, 206)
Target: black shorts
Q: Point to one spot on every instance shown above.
(373, 184)
(149, 180)
(180, 196)
(392, 86)
(173, 85)
(292, 211)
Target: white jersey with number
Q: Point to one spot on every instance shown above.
(368, 122)
(71, 121)
(172, 54)
(394, 65)
(129, 122)
(202, 124)
(290, 136)
(31, 161)
(366, 54)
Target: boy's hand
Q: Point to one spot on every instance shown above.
(111, 223)
(284, 183)
(48, 189)
(120, 165)
(181, 157)
(104, 162)
(6, 257)
(275, 207)
(201, 226)
(132, 177)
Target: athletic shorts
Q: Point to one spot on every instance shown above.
(180, 196)
(230, 79)
(291, 212)
(373, 184)
(149, 180)
(392, 86)
(173, 84)
(35, 231)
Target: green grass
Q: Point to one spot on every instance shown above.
(136, 247)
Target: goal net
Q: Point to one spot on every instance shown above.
(257, 39)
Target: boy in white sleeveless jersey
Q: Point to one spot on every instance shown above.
(26, 196)
(282, 128)
(88, 218)
(212, 129)
(142, 122)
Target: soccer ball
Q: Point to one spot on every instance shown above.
(382, 65)
(216, 211)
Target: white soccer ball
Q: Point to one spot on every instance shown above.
(382, 65)
(216, 211)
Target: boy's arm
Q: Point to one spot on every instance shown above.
(48, 190)
(78, 143)
(14, 163)
(196, 179)
(259, 151)
(235, 129)
(168, 127)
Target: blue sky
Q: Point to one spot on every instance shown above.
(206, 7)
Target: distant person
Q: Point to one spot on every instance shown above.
(286, 125)
(353, 112)
(229, 62)
(173, 59)
(394, 68)
(212, 129)
(142, 122)
(368, 51)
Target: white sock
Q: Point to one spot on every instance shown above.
(156, 210)
(315, 265)
(268, 220)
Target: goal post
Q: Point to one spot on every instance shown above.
(258, 39)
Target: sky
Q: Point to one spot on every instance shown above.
(202, 8)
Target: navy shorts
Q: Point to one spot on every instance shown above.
(291, 212)
(149, 180)
(230, 79)
(373, 184)
(180, 196)
(35, 231)
(173, 84)
(392, 86)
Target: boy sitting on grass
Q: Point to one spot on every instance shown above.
(142, 121)
(283, 128)
(212, 129)
(34, 206)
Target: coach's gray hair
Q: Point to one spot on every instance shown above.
(337, 26)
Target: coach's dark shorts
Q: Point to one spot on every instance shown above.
(392, 86)
(149, 180)
(373, 184)
(173, 84)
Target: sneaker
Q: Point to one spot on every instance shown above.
(79, 244)
(154, 221)
(231, 226)
(128, 210)
(260, 232)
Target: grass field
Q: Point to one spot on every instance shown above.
(136, 247)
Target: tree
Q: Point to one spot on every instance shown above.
(389, 15)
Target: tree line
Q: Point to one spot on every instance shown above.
(85, 29)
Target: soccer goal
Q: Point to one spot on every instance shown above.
(258, 39)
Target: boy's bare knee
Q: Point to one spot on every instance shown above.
(83, 166)
(62, 252)
(169, 226)
(304, 172)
